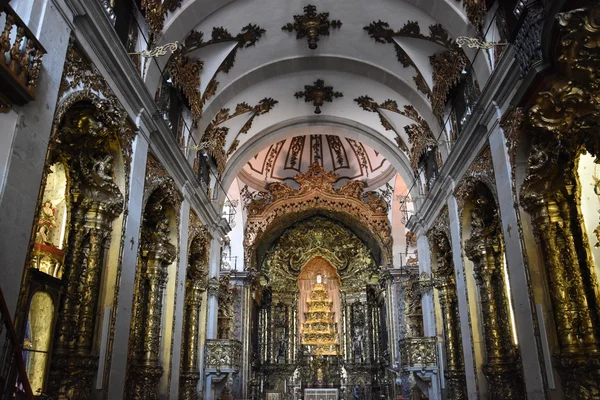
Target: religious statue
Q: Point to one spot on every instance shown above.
(281, 346)
(46, 222)
(358, 343)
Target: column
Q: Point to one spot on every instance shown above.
(463, 303)
(213, 308)
(428, 308)
(123, 313)
(180, 297)
(521, 296)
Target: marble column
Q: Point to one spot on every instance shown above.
(521, 296)
(117, 364)
(463, 303)
(429, 328)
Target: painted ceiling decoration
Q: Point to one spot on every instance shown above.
(185, 67)
(448, 59)
(420, 136)
(346, 157)
(318, 94)
(311, 25)
(213, 139)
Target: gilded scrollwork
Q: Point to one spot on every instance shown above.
(481, 170)
(213, 139)
(562, 124)
(316, 191)
(318, 237)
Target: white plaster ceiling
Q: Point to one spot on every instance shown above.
(348, 59)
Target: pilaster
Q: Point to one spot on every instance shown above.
(463, 302)
(179, 298)
(117, 366)
(519, 280)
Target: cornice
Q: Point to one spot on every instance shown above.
(98, 38)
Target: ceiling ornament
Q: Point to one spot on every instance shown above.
(155, 12)
(476, 43)
(158, 51)
(447, 65)
(318, 236)
(318, 94)
(213, 140)
(315, 192)
(476, 10)
(311, 25)
(185, 73)
(447, 68)
(187, 70)
(420, 136)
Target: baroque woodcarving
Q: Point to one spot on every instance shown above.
(317, 192)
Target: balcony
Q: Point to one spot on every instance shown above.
(20, 60)
(418, 354)
(223, 355)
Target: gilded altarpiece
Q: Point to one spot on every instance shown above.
(483, 246)
(562, 125)
(76, 243)
(157, 252)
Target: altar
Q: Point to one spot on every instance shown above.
(320, 394)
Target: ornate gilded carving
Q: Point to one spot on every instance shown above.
(199, 243)
(225, 315)
(475, 10)
(418, 353)
(481, 170)
(311, 25)
(213, 139)
(185, 73)
(316, 191)
(318, 237)
(485, 248)
(248, 37)
(511, 124)
(420, 136)
(161, 200)
(447, 67)
(445, 282)
(318, 94)
(155, 12)
(223, 354)
(83, 146)
(382, 33)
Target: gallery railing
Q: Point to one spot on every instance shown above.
(223, 355)
(20, 60)
(418, 353)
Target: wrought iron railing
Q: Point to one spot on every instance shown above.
(14, 383)
(20, 59)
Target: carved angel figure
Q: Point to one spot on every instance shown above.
(45, 223)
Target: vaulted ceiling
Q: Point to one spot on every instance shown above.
(253, 58)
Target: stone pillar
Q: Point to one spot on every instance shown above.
(213, 308)
(123, 314)
(180, 298)
(521, 295)
(428, 308)
(463, 303)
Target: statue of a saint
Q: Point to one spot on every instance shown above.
(319, 279)
(46, 222)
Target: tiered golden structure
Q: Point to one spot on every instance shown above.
(319, 331)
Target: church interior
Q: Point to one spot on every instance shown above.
(300, 200)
